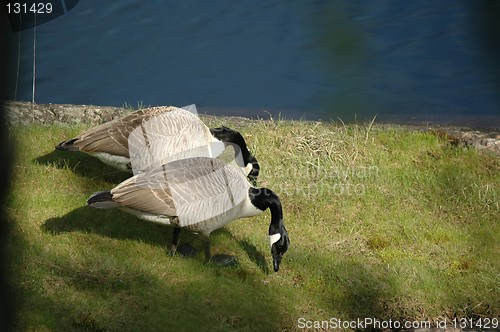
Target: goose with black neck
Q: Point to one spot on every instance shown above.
(199, 195)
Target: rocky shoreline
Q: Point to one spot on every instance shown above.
(67, 114)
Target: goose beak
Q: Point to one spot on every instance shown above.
(276, 262)
(279, 246)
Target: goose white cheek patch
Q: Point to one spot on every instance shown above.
(274, 238)
(248, 168)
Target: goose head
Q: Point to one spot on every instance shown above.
(279, 241)
(264, 198)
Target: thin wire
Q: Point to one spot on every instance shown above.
(18, 58)
(34, 62)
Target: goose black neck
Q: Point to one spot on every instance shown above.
(229, 135)
(264, 198)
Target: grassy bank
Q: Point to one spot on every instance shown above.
(384, 223)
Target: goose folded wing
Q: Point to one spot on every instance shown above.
(194, 190)
(147, 194)
(204, 188)
(112, 137)
(172, 135)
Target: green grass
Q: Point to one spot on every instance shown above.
(384, 223)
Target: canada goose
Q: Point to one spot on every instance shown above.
(198, 194)
(173, 130)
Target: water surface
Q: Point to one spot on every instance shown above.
(402, 61)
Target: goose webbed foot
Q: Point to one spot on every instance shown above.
(220, 259)
(185, 250)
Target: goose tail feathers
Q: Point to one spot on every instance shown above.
(68, 145)
(102, 200)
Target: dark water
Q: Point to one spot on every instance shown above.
(403, 61)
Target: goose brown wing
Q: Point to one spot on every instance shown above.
(194, 190)
(147, 192)
(112, 137)
(173, 135)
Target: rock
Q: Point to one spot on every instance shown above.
(28, 113)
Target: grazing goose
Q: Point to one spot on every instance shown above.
(166, 130)
(198, 194)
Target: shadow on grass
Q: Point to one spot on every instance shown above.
(83, 165)
(366, 291)
(127, 297)
(254, 255)
(350, 290)
(120, 225)
(111, 223)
